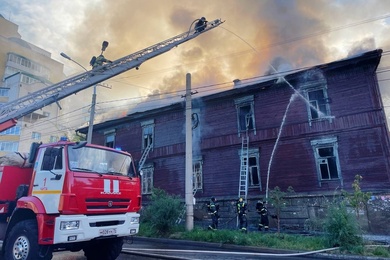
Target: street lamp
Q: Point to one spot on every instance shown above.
(93, 104)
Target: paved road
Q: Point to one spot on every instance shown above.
(176, 249)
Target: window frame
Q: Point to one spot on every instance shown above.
(325, 101)
(330, 142)
(107, 135)
(147, 179)
(9, 146)
(240, 103)
(197, 174)
(150, 140)
(36, 136)
(252, 153)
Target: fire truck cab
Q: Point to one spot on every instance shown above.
(69, 196)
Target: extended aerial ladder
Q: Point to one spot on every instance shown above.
(13, 110)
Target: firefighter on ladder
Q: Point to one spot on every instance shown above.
(200, 25)
(263, 212)
(241, 213)
(213, 208)
(100, 60)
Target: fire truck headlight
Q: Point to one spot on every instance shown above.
(134, 220)
(69, 225)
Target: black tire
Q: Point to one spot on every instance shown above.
(104, 249)
(22, 243)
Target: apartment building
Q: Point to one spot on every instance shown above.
(26, 68)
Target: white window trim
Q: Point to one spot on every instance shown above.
(144, 125)
(200, 186)
(244, 101)
(145, 170)
(326, 142)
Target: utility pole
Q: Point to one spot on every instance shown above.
(189, 197)
(91, 116)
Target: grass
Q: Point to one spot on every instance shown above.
(265, 240)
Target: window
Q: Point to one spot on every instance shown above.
(147, 180)
(197, 174)
(319, 103)
(314, 89)
(253, 171)
(109, 139)
(53, 139)
(4, 92)
(52, 159)
(9, 146)
(147, 133)
(36, 136)
(15, 130)
(28, 64)
(253, 168)
(245, 114)
(327, 160)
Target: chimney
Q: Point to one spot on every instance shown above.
(237, 82)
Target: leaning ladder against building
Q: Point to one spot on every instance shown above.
(143, 157)
(243, 183)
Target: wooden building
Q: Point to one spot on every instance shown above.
(313, 130)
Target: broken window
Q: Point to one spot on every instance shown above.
(253, 171)
(197, 174)
(327, 160)
(314, 88)
(245, 114)
(253, 167)
(319, 105)
(147, 179)
(147, 133)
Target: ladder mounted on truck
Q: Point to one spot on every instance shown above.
(13, 110)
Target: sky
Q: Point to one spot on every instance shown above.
(257, 36)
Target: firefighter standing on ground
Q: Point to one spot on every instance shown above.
(241, 213)
(213, 208)
(263, 212)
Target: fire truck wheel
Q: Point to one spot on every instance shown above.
(22, 243)
(108, 249)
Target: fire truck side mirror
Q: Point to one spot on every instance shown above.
(33, 152)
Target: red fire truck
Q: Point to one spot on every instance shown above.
(67, 195)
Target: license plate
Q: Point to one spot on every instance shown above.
(107, 231)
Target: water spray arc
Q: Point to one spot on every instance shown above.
(292, 98)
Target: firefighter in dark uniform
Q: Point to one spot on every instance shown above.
(213, 209)
(100, 60)
(201, 24)
(263, 212)
(241, 213)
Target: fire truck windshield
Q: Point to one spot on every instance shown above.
(91, 159)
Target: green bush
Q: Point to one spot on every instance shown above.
(342, 227)
(381, 251)
(162, 213)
